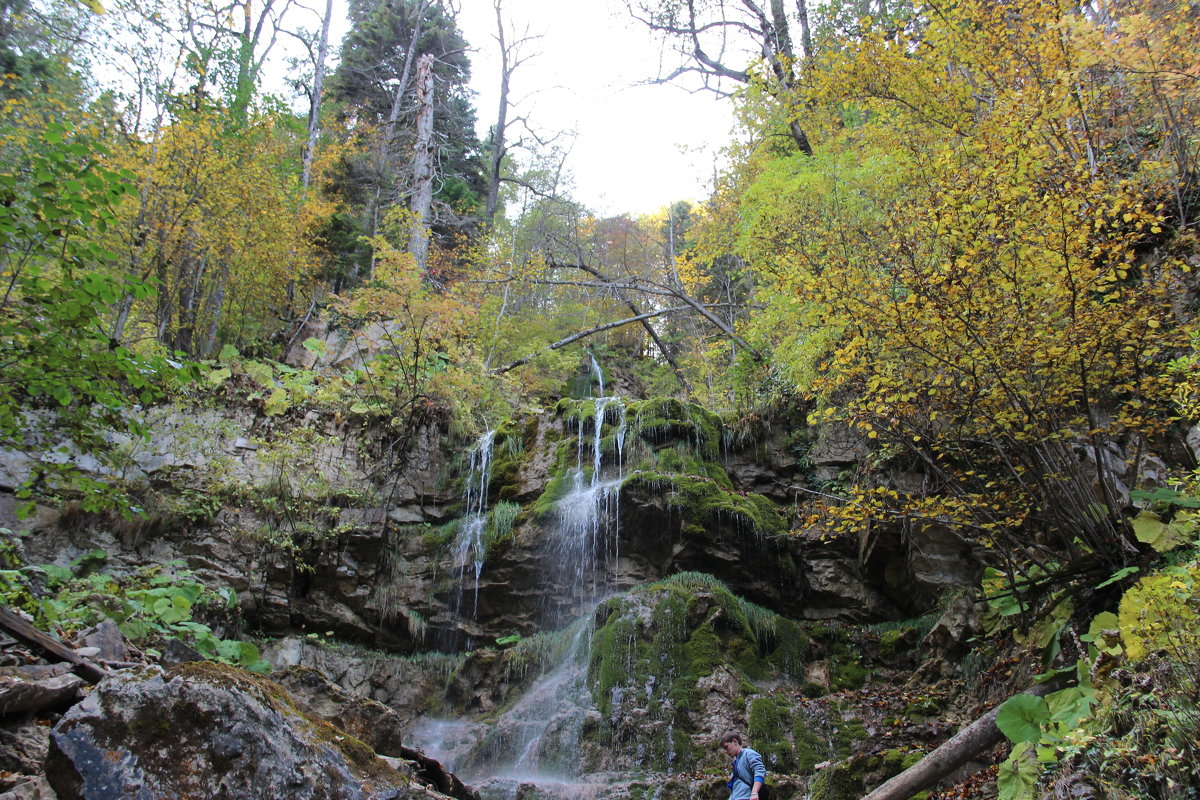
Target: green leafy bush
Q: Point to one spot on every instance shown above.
(151, 606)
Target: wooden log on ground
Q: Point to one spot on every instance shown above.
(15, 625)
(972, 740)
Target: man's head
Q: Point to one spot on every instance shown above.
(731, 743)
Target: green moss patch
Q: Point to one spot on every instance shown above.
(667, 419)
(703, 501)
(653, 646)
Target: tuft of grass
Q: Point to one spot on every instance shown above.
(922, 625)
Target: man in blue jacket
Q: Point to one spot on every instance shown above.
(749, 774)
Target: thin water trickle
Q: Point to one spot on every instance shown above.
(469, 544)
(598, 373)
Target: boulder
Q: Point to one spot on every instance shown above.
(203, 731)
(24, 689)
(373, 723)
(951, 635)
(108, 640)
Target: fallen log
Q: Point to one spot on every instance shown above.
(15, 625)
(972, 740)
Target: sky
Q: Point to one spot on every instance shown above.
(637, 147)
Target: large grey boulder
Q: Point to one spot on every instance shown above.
(204, 731)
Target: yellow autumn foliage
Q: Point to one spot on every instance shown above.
(1161, 612)
(220, 223)
(972, 269)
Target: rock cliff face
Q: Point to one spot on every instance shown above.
(320, 527)
(635, 556)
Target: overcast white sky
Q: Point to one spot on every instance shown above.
(637, 148)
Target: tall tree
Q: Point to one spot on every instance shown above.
(318, 87)
(377, 96)
(422, 193)
(510, 59)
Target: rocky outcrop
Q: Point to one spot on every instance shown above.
(371, 722)
(660, 538)
(298, 516)
(302, 517)
(206, 731)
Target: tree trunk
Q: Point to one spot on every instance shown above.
(422, 197)
(243, 89)
(493, 197)
(972, 740)
(805, 30)
(783, 36)
(389, 129)
(54, 650)
(314, 112)
(214, 307)
(800, 137)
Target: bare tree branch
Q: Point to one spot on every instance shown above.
(591, 332)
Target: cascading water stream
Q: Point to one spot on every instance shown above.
(583, 546)
(599, 373)
(537, 739)
(469, 544)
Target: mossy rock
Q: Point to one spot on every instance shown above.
(437, 537)
(663, 420)
(183, 732)
(703, 501)
(847, 675)
(558, 487)
(840, 781)
(653, 646)
(770, 730)
(900, 640)
(850, 779)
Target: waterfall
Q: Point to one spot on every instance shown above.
(469, 545)
(539, 736)
(535, 741)
(598, 373)
(582, 545)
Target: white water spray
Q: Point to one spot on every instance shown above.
(599, 373)
(469, 544)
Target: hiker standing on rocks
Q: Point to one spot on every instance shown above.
(749, 774)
